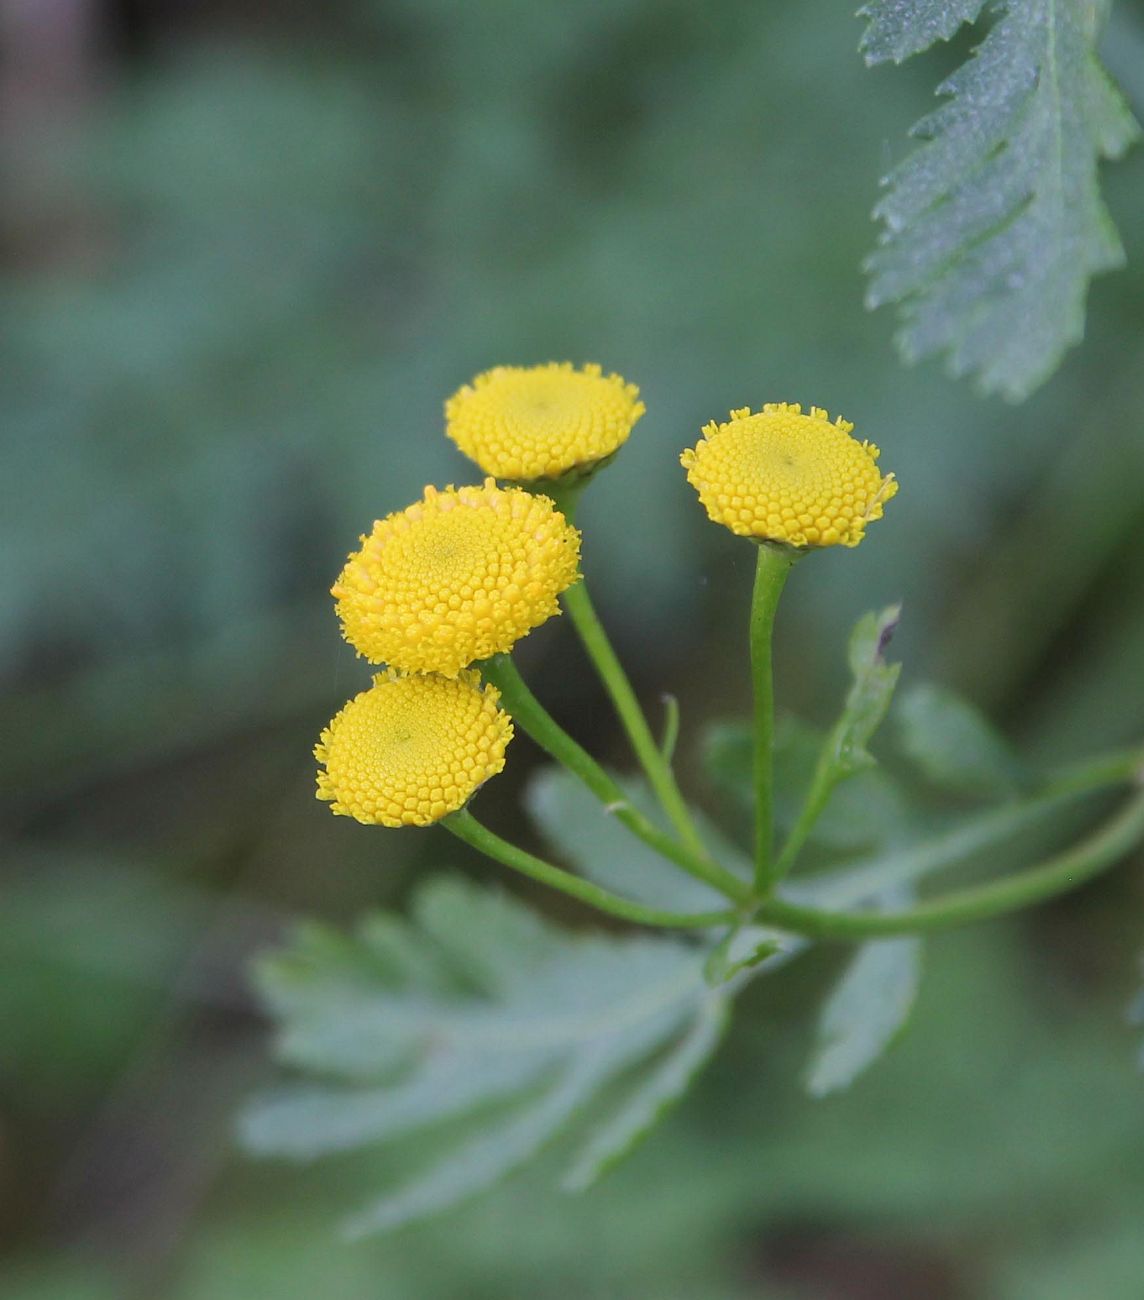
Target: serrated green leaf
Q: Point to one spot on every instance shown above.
(993, 228)
(600, 848)
(500, 1007)
(954, 745)
(899, 28)
(659, 1089)
(866, 1010)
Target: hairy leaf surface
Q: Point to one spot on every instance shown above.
(899, 28)
(994, 227)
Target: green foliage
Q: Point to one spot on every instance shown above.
(993, 228)
(862, 813)
(868, 700)
(221, 353)
(478, 1010)
(866, 1010)
(899, 28)
(476, 1006)
(742, 948)
(678, 1219)
(659, 1089)
(844, 752)
(954, 745)
(875, 996)
(592, 841)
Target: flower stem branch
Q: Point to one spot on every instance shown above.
(581, 611)
(772, 568)
(1099, 851)
(655, 759)
(533, 718)
(466, 827)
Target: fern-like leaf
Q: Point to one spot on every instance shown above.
(899, 28)
(476, 1009)
(994, 227)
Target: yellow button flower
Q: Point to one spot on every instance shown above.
(410, 750)
(456, 577)
(784, 476)
(542, 421)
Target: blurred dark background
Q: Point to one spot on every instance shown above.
(247, 251)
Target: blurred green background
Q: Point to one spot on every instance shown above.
(248, 250)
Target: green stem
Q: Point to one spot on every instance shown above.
(1087, 774)
(862, 880)
(1101, 850)
(975, 834)
(533, 718)
(466, 827)
(655, 759)
(670, 728)
(813, 805)
(772, 568)
(580, 610)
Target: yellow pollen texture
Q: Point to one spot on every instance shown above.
(410, 750)
(787, 477)
(541, 421)
(456, 577)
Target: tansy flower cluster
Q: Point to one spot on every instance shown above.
(462, 574)
(456, 577)
(439, 593)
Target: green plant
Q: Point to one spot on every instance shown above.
(476, 1007)
(994, 226)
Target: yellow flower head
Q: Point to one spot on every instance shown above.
(456, 577)
(787, 477)
(542, 421)
(410, 750)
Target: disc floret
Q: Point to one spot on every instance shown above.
(542, 422)
(783, 476)
(456, 577)
(412, 749)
